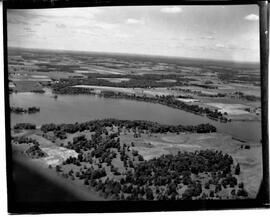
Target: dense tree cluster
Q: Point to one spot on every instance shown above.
(99, 125)
(166, 167)
(206, 86)
(38, 91)
(156, 179)
(98, 147)
(35, 151)
(237, 169)
(23, 139)
(60, 134)
(132, 81)
(20, 110)
(74, 90)
(24, 126)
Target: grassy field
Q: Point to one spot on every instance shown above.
(115, 80)
(250, 160)
(27, 86)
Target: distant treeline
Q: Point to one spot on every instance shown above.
(135, 81)
(20, 110)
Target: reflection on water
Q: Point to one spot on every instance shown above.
(80, 108)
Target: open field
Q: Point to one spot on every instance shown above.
(115, 80)
(249, 159)
(41, 75)
(231, 109)
(27, 86)
(101, 70)
(115, 89)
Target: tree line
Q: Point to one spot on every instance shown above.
(20, 110)
(153, 127)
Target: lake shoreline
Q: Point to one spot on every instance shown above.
(89, 107)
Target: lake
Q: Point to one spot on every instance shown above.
(81, 108)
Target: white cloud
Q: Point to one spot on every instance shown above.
(207, 37)
(121, 35)
(252, 17)
(61, 26)
(134, 21)
(171, 10)
(79, 13)
(220, 45)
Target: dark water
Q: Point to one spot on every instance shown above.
(80, 108)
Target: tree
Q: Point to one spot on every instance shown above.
(58, 168)
(237, 169)
(207, 186)
(149, 194)
(122, 197)
(140, 158)
(241, 185)
(187, 195)
(218, 188)
(172, 188)
(242, 193)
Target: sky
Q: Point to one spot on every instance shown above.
(207, 32)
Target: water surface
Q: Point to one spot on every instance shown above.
(81, 108)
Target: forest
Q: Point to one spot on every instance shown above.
(160, 178)
(99, 125)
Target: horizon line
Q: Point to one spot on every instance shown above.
(141, 54)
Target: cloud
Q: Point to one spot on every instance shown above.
(121, 35)
(134, 21)
(78, 13)
(252, 17)
(28, 29)
(61, 26)
(220, 46)
(171, 10)
(207, 37)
